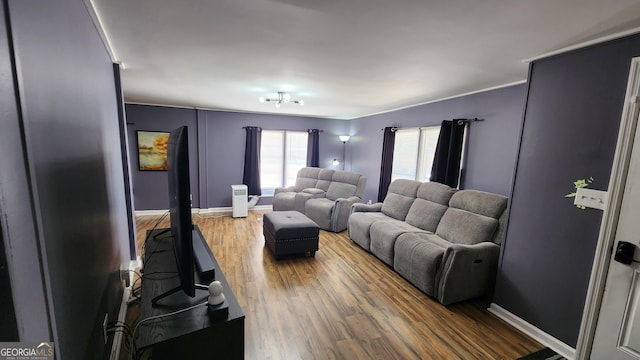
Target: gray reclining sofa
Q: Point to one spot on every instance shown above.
(444, 241)
(323, 195)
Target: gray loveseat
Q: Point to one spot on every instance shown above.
(323, 195)
(444, 241)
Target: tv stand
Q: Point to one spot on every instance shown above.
(193, 334)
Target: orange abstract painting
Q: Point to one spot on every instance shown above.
(152, 150)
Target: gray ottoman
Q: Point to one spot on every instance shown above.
(290, 232)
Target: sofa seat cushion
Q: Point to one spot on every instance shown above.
(417, 257)
(383, 237)
(464, 227)
(359, 227)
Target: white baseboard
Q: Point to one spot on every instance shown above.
(202, 211)
(149, 212)
(117, 336)
(533, 332)
(261, 207)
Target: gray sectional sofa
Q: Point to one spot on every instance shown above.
(444, 241)
(323, 195)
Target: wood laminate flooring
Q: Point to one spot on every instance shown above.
(342, 304)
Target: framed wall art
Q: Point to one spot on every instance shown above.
(152, 150)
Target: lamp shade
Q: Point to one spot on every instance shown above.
(344, 138)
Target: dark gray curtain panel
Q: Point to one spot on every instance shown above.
(251, 176)
(386, 165)
(313, 148)
(446, 162)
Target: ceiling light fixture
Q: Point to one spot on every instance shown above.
(283, 98)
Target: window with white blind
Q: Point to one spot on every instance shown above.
(282, 154)
(413, 153)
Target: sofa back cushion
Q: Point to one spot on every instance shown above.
(324, 179)
(431, 203)
(463, 227)
(307, 178)
(344, 184)
(472, 217)
(479, 202)
(400, 197)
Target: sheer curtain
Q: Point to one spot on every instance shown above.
(446, 162)
(386, 166)
(251, 176)
(313, 148)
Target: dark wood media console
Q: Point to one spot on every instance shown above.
(193, 334)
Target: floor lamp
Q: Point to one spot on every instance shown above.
(344, 139)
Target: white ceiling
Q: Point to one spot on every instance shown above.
(344, 58)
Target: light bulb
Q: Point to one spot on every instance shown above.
(336, 162)
(286, 97)
(261, 99)
(344, 138)
(301, 102)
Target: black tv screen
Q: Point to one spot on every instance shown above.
(180, 207)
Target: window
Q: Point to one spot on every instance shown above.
(413, 153)
(282, 154)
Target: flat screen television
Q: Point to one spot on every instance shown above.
(180, 211)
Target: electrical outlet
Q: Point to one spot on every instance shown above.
(104, 327)
(596, 199)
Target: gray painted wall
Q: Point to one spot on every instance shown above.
(150, 188)
(74, 224)
(570, 130)
(10, 124)
(216, 150)
(224, 147)
(492, 143)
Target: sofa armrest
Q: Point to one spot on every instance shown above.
(341, 212)
(300, 200)
(466, 272)
(360, 207)
(284, 189)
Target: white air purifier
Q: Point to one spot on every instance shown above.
(239, 200)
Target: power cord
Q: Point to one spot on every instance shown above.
(148, 237)
(135, 330)
(129, 340)
(135, 290)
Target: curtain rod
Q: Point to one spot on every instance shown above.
(460, 122)
(244, 127)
